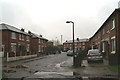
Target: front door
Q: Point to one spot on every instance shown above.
(2, 51)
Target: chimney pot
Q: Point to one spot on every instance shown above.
(77, 39)
(22, 30)
(29, 32)
(40, 35)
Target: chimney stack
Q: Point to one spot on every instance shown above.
(40, 35)
(77, 39)
(29, 32)
(22, 29)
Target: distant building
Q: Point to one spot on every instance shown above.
(79, 44)
(50, 43)
(107, 38)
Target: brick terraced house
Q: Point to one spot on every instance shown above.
(39, 44)
(16, 44)
(107, 38)
(79, 43)
(50, 43)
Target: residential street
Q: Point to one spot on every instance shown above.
(55, 66)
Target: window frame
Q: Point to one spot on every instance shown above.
(13, 35)
(27, 38)
(103, 47)
(113, 24)
(23, 37)
(113, 45)
(20, 37)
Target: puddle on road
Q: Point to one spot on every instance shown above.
(54, 73)
(59, 64)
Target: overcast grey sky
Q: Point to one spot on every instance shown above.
(48, 17)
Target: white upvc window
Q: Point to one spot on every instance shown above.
(83, 47)
(83, 43)
(103, 47)
(28, 48)
(13, 35)
(27, 38)
(23, 37)
(39, 40)
(113, 45)
(39, 48)
(13, 47)
(113, 23)
(20, 36)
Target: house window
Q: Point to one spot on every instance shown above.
(20, 36)
(103, 47)
(39, 40)
(13, 48)
(39, 48)
(83, 43)
(13, 35)
(28, 48)
(83, 47)
(27, 38)
(113, 23)
(113, 45)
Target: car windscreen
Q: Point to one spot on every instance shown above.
(94, 52)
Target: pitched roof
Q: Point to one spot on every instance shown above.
(37, 36)
(118, 9)
(50, 41)
(77, 41)
(11, 28)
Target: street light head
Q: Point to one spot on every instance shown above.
(67, 21)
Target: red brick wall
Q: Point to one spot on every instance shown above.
(118, 32)
(34, 44)
(78, 45)
(108, 33)
(7, 40)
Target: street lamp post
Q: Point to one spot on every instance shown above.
(73, 42)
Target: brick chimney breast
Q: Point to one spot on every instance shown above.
(77, 39)
(29, 32)
(22, 29)
(40, 35)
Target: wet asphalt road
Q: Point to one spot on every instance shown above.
(56, 66)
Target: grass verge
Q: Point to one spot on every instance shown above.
(115, 68)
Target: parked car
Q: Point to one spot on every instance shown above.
(94, 55)
(69, 53)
